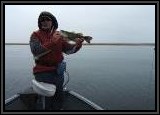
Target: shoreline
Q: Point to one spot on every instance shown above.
(134, 44)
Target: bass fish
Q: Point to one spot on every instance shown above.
(73, 35)
(69, 35)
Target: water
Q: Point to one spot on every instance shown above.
(114, 77)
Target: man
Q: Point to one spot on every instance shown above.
(47, 39)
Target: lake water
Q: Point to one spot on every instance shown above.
(114, 77)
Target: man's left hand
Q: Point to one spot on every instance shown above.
(79, 41)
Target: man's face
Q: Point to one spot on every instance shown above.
(46, 23)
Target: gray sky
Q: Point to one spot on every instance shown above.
(105, 23)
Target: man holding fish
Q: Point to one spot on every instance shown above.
(47, 46)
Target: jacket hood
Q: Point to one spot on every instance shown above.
(49, 15)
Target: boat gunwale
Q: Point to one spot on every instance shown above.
(11, 99)
(92, 104)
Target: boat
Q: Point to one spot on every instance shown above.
(31, 100)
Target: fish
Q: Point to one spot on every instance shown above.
(72, 35)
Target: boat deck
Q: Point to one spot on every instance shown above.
(29, 100)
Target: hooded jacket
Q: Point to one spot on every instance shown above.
(42, 41)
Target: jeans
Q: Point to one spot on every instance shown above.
(55, 102)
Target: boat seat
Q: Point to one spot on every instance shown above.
(43, 89)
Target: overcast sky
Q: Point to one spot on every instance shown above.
(105, 23)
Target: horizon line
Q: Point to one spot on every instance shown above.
(93, 44)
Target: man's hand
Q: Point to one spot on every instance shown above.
(79, 41)
(56, 36)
